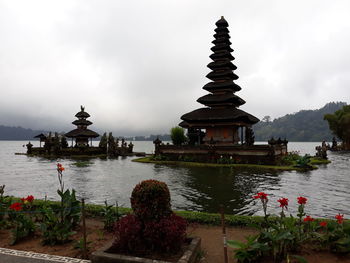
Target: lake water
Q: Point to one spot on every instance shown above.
(195, 188)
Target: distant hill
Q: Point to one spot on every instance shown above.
(303, 126)
(17, 133)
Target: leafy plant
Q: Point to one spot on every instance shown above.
(150, 200)
(153, 227)
(177, 135)
(4, 203)
(250, 251)
(53, 230)
(22, 223)
(110, 215)
(303, 162)
(57, 226)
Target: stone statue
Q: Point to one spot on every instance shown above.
(29, 147)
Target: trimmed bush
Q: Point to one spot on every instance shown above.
(153, 227)
(128, 236)
(167, 235)
(150, 200)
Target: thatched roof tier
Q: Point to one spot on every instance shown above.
(81, 133)
(82, 122)
(221, 35)
(222, 46)
(222, 75)
(221, 55)
(221, 40)
(222, 30)
(222, 86)
(40, 136)
(219, 115)
(221, 64)
(228, 98)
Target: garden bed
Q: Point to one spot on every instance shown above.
(211, 243)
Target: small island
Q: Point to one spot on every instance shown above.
(81, 142)
(220, 133)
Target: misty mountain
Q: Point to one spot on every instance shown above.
(18, 133)
(302, 126)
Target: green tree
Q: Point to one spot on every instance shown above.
(64, 143)
(339, 123)
(178, 135)
(103, 141)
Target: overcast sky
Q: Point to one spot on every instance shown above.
(137, 66)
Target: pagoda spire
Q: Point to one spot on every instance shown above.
(222, 85)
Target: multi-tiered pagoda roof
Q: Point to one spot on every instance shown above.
(82, 133)
(222, 103)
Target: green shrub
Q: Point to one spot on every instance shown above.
(178, 135)
(150, 200)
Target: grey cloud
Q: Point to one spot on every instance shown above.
(137, 66)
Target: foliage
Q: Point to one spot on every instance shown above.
(103, 141)
(286, 235)
(339, 123)
(110, 215)
(57, 227)
(54, 231)
(22, 222)
(159, 158)
(4, 202)
(305, 125)
(167, 235)
(128, 235)
(177, 135)
(64, 143)
(290, 158)
(303, 162)
(250, 251)
(150, 200)
(153, 227)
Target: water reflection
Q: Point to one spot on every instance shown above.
(205, 189)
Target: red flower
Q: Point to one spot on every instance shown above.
(261, 196)
(16, 206)
(340, 218)
(283, 202)
(302, 200)
(323, 223)
(308, 219)
(60, 167)
(30, 198)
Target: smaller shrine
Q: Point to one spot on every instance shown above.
(81, 142)
(82, 134)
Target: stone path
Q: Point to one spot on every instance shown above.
(18, 256)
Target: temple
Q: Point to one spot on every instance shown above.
(81, 146)
(82, 134)
(219, 131)
(221, 119)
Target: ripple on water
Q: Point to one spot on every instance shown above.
(197, 188)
